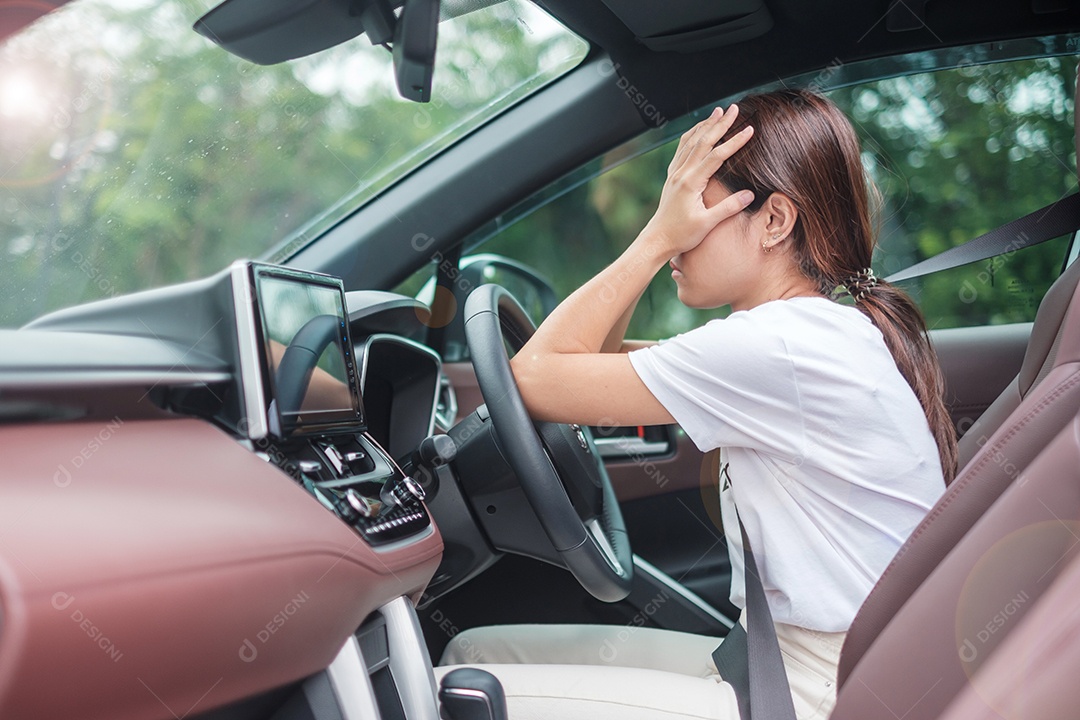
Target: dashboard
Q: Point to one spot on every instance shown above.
(219, 476)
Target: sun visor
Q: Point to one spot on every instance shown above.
(690, 25)
(273, 31)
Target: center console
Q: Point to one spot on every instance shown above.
(303, 402)
(356, 479)
(303, 385)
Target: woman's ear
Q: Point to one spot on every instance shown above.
(779, 213)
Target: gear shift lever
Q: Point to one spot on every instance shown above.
(471, 694)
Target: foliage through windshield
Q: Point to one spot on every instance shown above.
(134, 153)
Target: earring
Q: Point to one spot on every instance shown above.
(765, 247)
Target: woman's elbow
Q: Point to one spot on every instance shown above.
(529, 377)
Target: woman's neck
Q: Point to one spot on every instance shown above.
(782, 289)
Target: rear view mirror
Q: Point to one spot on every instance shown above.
(267, 32)
(414, 48)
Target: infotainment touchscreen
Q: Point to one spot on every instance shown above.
(310, 374)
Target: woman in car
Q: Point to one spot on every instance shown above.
(834, 440)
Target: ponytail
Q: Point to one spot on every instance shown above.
(901, 323)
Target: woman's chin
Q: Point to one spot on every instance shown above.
(686, 297)
(695, 301)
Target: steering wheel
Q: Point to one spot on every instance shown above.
(560, 472)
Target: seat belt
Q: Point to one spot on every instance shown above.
(749, 659)
(1054, 220)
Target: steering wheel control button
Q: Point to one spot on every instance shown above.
(580, 436)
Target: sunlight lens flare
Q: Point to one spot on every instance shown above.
(20, 97)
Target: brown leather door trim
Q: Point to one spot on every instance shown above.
(978, 363)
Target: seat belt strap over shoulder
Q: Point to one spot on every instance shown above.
(1054, 220)
(749, 660)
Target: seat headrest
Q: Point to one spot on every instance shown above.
(1055, 337)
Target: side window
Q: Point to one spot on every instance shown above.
(954, 153)
(957, 153)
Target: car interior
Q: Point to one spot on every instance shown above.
(277, 488)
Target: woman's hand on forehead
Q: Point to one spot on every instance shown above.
(682, 219)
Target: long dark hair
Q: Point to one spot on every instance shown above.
(805, 148)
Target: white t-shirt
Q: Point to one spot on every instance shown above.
(825, 448)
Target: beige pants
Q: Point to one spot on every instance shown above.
(602, 672)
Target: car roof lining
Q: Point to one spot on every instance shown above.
(803, 37)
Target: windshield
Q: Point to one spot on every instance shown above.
(134, 153)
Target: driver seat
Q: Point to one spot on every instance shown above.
(1052, 399)
(996, 605)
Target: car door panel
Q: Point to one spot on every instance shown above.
(978, 363)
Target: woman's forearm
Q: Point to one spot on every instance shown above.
(553, 383)
(599, 310)
(615, 340)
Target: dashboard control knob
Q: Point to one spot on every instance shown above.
(359, 503)
(413, 488)
(388, 495)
